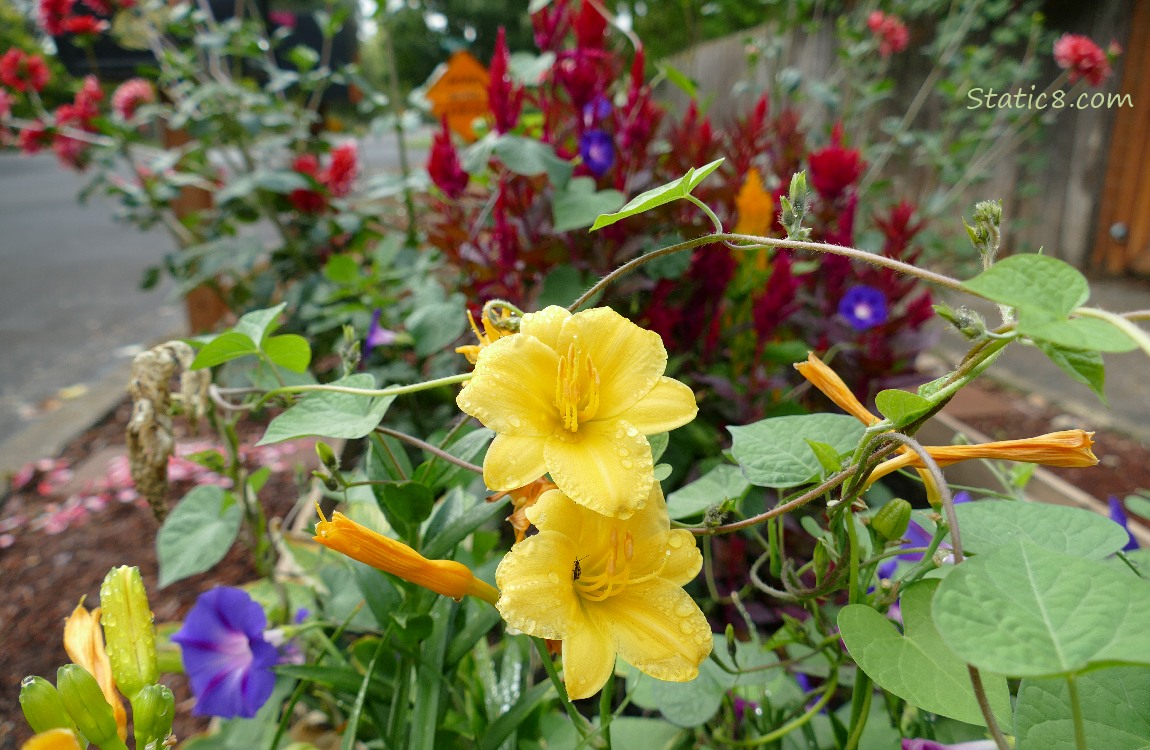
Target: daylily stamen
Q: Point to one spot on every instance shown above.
(592, 587)
(576, 388)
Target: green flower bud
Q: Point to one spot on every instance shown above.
(891, 519)
(86, 705)
(152, 714)
(327, 456)
(42, 705)
(128, 630)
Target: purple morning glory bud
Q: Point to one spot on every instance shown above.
(597, 150)
(1118, 516)
(227, 660)
(596, 110)
(376, 334)
(863, 307)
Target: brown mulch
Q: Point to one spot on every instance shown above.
(45, 574)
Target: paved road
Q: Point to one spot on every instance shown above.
(71, 311)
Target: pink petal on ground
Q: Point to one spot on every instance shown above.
(7, 540)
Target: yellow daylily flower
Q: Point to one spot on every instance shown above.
(607, 586)
(576, 396)
(1066, 448)
(755, 206)
(53, 739)
(444, 577)
(84, 643)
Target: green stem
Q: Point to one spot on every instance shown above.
(437, 452)
(576, 718)
(852, 535)
(707, 210)
(1076, 713)
(860, 709)
(1122, 322)
(395, 390)
(833, 481)
(606, 698)
(793, 724)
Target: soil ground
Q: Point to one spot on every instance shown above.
(49, 563)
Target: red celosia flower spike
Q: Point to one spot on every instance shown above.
(504, 98)
(590, 27)
(443, 164)
(835, 168)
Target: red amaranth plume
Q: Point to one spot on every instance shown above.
(504, 98)
(443, 164)
(777, 302)
(550, 25)
(835, 168)
(590, 27)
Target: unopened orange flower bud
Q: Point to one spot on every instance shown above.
(445, 577)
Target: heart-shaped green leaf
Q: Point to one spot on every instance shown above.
(327, 414)
(197, 533)
(579, 204)
(917, 666)
(1024, 611)
(722, 483)
(1033, 281)
(773, 452)
(901, 407)
(990, 524)
(659, 196)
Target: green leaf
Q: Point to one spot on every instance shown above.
(408, 502)
(684, 704)
(828, 457)
(917, 666)
(335, 415)
(673, 190)
(720, 484)
(901, 407)
(530, 158)
(563, 285)
(528, 69)
(677, 77)
(510, 719)
(652, 734)
(578, 205)
(658, 442)
(224, 348)
(1084, 366)
(990, 524)
(1089, 334)
(259, 324)
(436, 325)
(1112, 701)
(342, 269)
(1033, 281)
(773, 452)
(197, 533)
(289, 351)
(1023, 611)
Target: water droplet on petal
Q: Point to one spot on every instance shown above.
(686, 626)
(623, 452)
(632, 432)
(675, 541)
(683, 609)
(627, 464)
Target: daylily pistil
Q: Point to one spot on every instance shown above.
(576, 388)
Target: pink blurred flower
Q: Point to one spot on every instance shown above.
(84, 25)
(130, 95)
(891, 32)
(283, 18)
(1083, 58)
(7, 540)
(53, 14)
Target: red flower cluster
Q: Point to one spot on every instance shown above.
(130, 95)
(1082, 58)
(504, 98)
(443, 164)
(337, 180)
(835, 168)
(77, 116)
(22, 72)
(58, 17)
(890, 31)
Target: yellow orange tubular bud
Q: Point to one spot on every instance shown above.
(445, 577)
(833, 387)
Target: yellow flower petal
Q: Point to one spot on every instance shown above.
(53, 739)
(513, 461)
(513, 390)
(588, 657)
(536, 593)
(658, 628)
(685, 560)
(555, 511)
(84, 644)
(605, 466)
(670, 404)
(445, 577)
(629, 359)
(545, 325)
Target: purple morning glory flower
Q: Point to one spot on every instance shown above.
(1118, 516)
(597, 150)
(864, 307)
(596, 110)
(919, 744)
(225, 655)
(376, 334)
(916, 536)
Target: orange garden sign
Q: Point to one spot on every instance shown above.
(460, 93)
